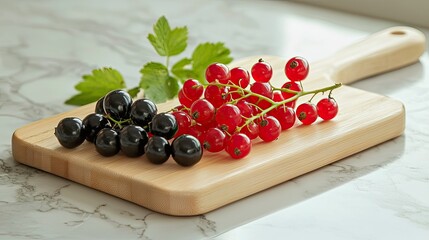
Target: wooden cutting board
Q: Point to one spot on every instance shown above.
(365, 119)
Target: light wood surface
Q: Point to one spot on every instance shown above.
(364, 120)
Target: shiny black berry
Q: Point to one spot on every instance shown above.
(117, 104)
(164, 125)
(142, 112)
(107, 142)
(186, 150)
(99, 106)
(93, 123)
(133, 139)
(70, 132)
(158, 150)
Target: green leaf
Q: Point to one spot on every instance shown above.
(182, 69)
(206, 54)
(173, 87)
(158, 85)
(167, 41)
(96, 85)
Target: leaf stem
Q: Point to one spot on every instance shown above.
(167, 62)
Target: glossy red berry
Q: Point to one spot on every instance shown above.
(192, 89)
(197, 131)
(214, 140)
(202, 111)
(269, 129)
(296, 69)
(216, 95)
(228, 117)
(260, 88)
(184, 122)
(184, 100)
(285, 115)
(240, 77)
(286, 95)
(217, 71)
(245, 108)
(327, 108)
(262, 71)
(277, 96)
(306, 113)
(238, 146)
(251, 130)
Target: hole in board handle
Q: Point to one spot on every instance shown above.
(398, 32)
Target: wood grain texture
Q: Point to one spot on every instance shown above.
(364, 120)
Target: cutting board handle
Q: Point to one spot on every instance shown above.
(383, 51)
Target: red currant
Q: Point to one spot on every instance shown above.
(245, 108)
(217, 71)
(180, 108)
(238, 146)
(306, 113)
(262, 71)
(277, 96)
(296, 69)
(240, 77)
(192, 89)
(285, 115)
(216, 95)
(228, 117)
(210, 124)
(202, 111)
(286, 95)
(269, 129)
(260, 88)
(251, 130)
(327, 108)
(197, 131)
(183, 99)
(213, 140)
(184, 122)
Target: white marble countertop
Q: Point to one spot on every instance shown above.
(45, 47)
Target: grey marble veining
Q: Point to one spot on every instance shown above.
(46, 46)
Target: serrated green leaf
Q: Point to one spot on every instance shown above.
(96, 85)
(206, 54)
(182, 69)
(80, 99)
(173, 87)
(158, 85)
(167, 41)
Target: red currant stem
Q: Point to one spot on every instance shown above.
(312, 97)
(302, 87)
(238, 99)
(276, 104)
(261, 97)
(284, 89)
(329, 95)
(227, 133)
(256, 106)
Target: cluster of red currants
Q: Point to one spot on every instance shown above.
(226, 114)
